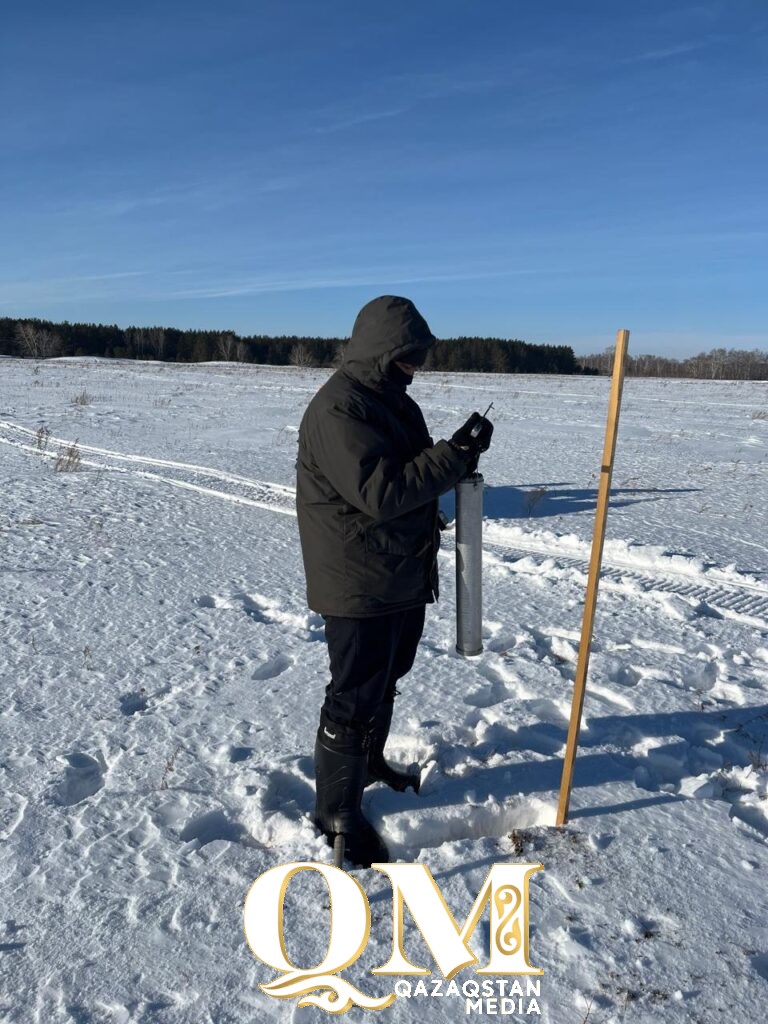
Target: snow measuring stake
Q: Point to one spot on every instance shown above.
(598, 536)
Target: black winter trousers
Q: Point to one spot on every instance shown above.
(367, 657)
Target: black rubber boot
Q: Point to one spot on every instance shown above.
(341, 762)
(378, 769)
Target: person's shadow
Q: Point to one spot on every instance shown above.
(543, 500)
(701, 742)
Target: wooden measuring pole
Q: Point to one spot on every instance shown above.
(598, 536)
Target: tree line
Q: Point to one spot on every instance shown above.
(719, 364)
(43, 339)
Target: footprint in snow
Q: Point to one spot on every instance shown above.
(287, 793)
(644, 929)
(759, 963)
(84, 776)
(494, 692)
(702, 674)
(707, 611)
(212, 601)
(238, 754)
(624, 675)
(543, 738)
(132, 703)
(550, 711)
(272, 667)
(268, 611)
(207, 828)
(280, 810)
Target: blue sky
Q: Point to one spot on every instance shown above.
(550, 171)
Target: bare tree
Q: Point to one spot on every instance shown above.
(147, 342)
(301, 356)
(156, 341)
(226, 346)
(719, 364)
(37, 342)
(135, 337)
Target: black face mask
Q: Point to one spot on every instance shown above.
(398, 376)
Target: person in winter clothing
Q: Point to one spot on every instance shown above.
(369, 476)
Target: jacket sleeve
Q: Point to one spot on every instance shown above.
(357, 459)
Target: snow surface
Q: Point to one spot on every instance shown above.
(162, 677)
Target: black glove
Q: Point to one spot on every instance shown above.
(472, 467)
(475, 435)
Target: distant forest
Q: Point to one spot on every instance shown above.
(719, 364)
(42, 339)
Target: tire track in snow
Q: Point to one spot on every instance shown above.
(735, 598)
(270, 496)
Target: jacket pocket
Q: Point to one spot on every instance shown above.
(385, 541)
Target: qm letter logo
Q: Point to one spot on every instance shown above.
(505, 890)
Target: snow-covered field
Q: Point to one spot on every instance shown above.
(162, 676)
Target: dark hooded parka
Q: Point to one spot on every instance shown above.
(369, 475)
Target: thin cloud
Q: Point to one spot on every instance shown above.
(14, 292)
(435, 85)
(666, 53)
(201, 193)
(64, 289)
(351, 122)
(345, 280)
(408, 89)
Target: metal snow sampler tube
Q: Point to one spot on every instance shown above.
(469, 565)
